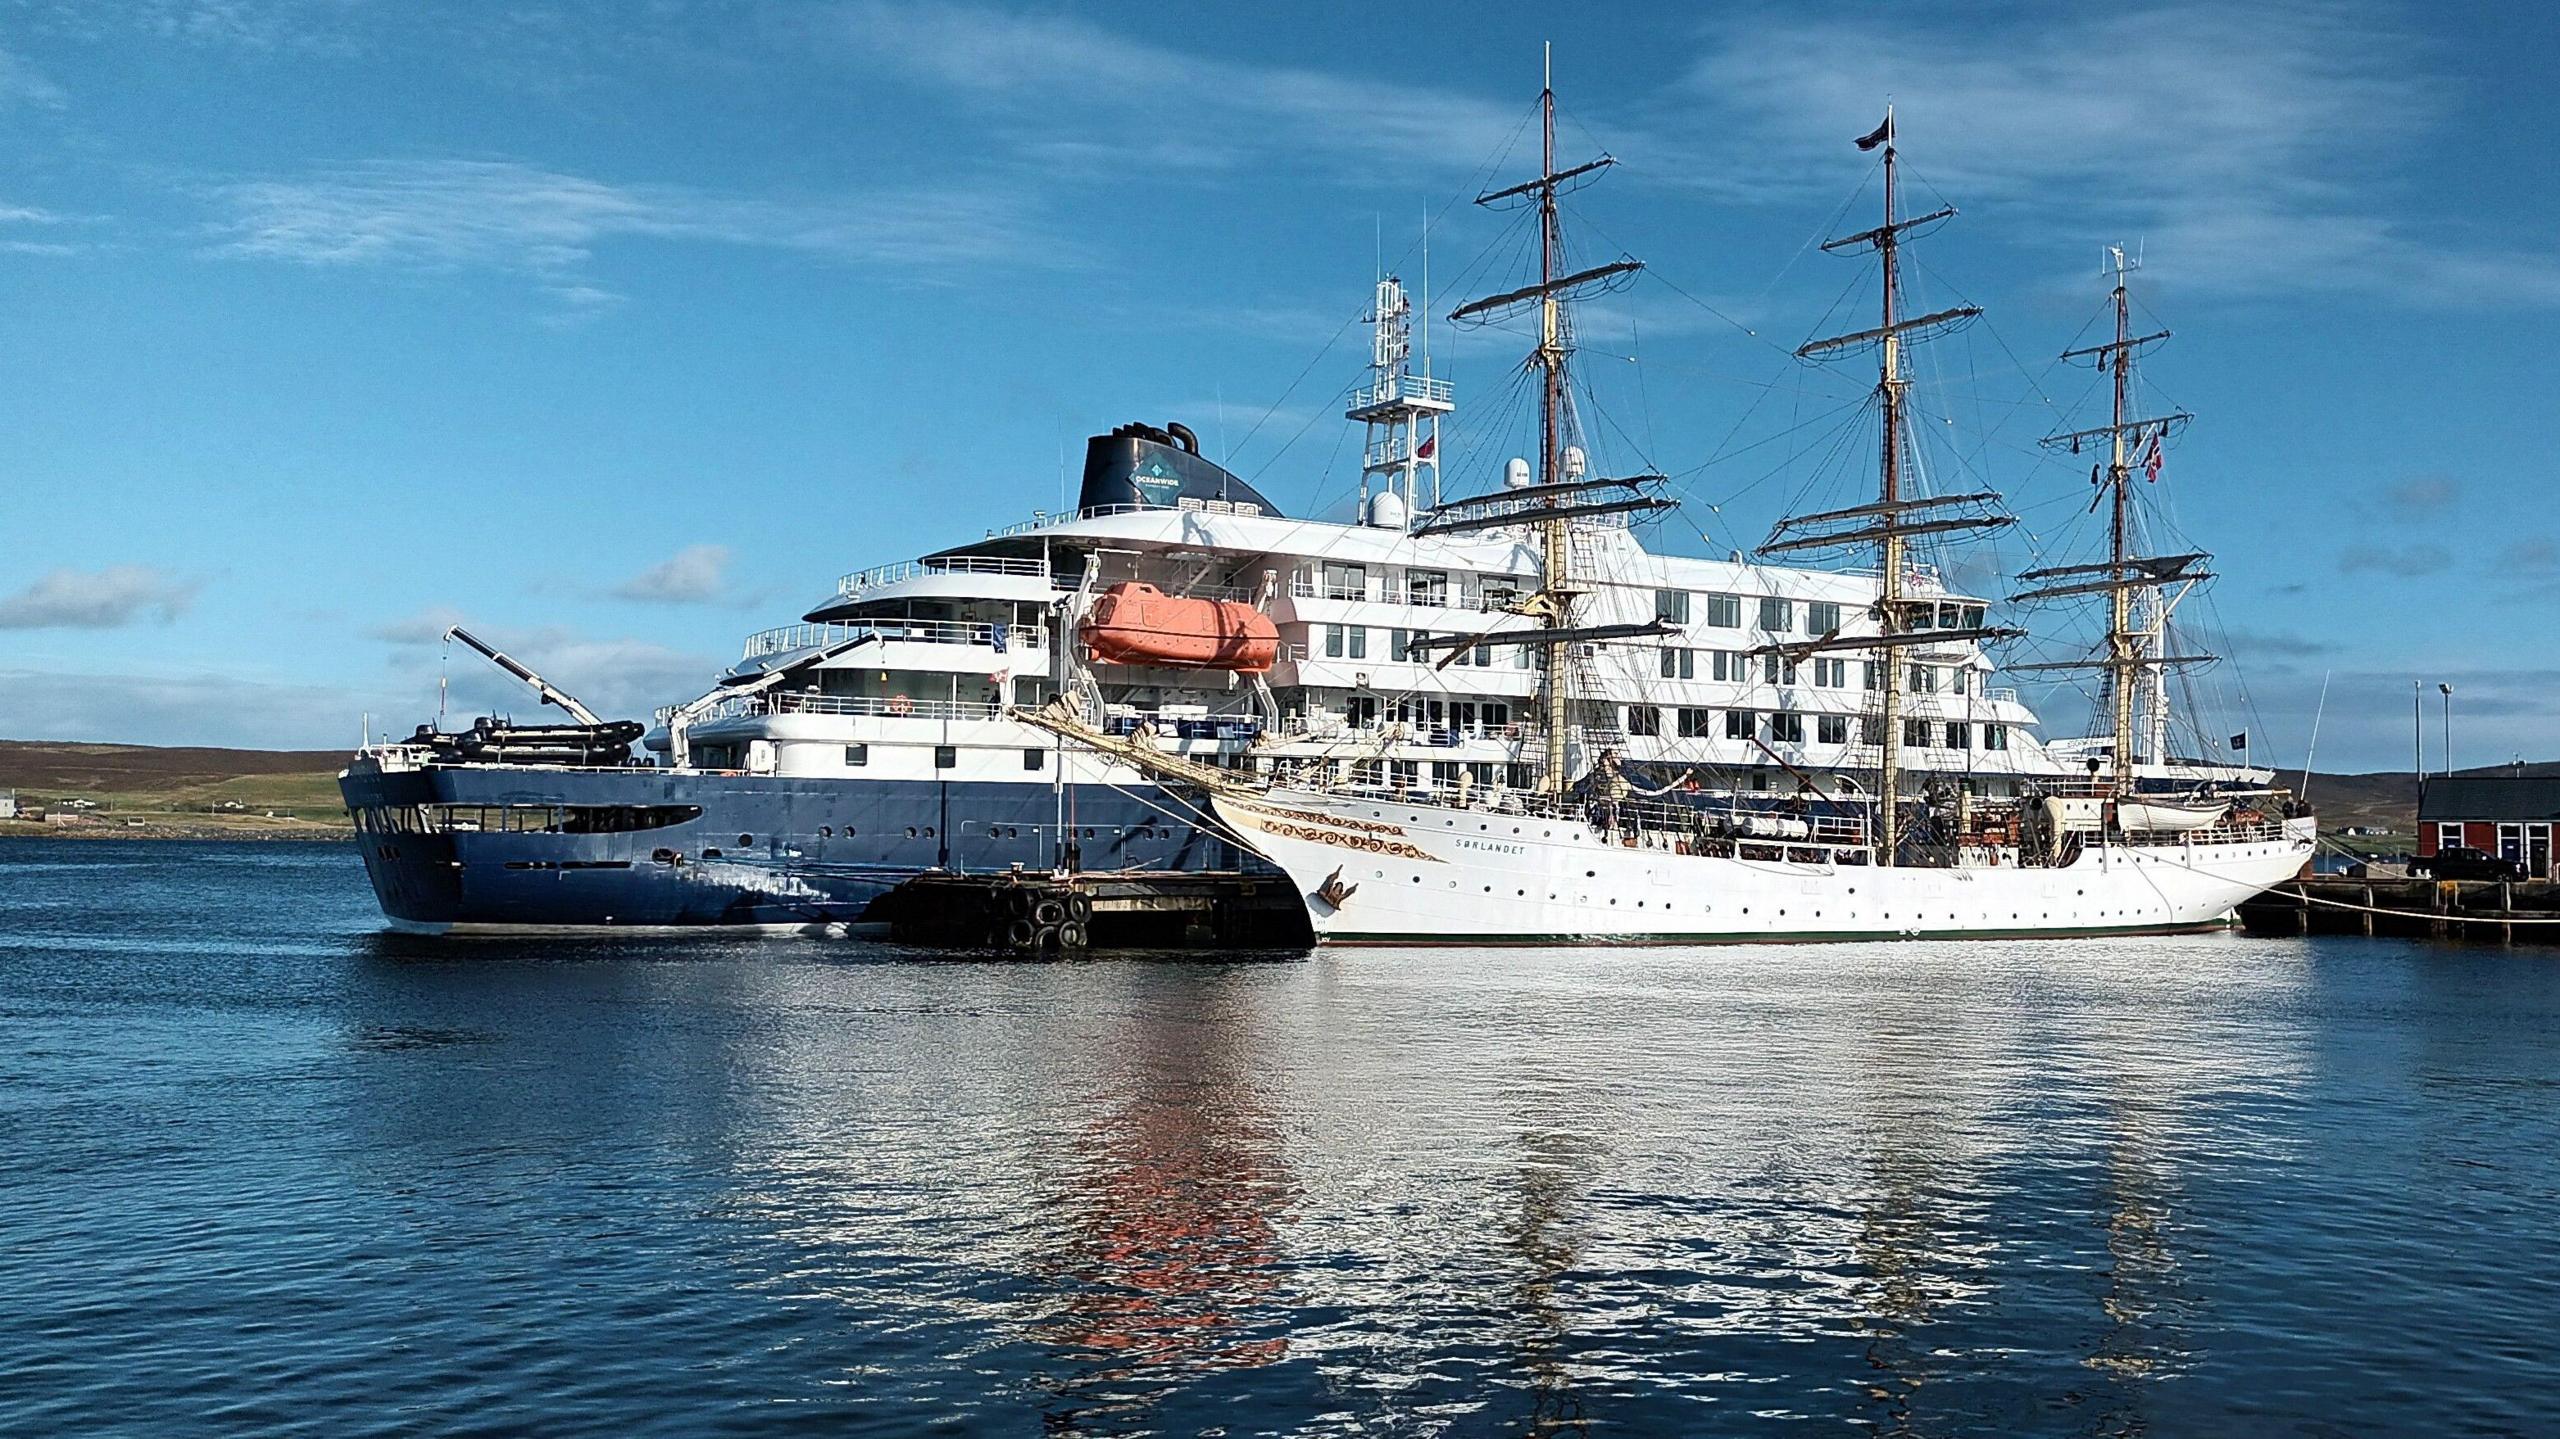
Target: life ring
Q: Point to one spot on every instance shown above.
(901, 705)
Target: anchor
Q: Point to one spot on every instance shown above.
(1333, 891)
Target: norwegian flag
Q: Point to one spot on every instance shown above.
(2151, 460)
(1430, 446)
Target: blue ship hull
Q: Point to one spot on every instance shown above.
(485, 848)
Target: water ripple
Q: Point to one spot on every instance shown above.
(270, 1171)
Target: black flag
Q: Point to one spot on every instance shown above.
(1877, 136)
(2240, 741)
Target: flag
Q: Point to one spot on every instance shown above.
(2093, 474)
(999, 677)
(998, 633)
(1878, 135)
(1430, 446)
(2151, 459)
(2240, 741)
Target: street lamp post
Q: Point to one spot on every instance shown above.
(2447, 691)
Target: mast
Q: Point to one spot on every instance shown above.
(1895, 517)
(2121, 642)
(1554, 538)
(2136, 586)
(1558, 501)
(1889, 614)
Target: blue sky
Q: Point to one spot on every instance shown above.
(620, 330)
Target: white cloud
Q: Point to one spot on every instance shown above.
(23, 84)
(1082, 99)
(2249, 146)
(105, 599)
(619, 678)
(426, 627)
(2407, 561)
(188, 709)
(693, 575)
(456, 214)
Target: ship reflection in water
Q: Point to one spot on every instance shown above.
(1166, 1219)
(1925, 1190)
(2207, 1185)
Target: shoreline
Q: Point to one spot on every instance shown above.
(267, 833)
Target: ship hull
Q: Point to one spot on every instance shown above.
(1381, 872)
(763, 853)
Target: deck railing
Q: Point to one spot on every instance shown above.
(785, 638)
(878, 575)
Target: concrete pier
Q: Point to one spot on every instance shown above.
(1032, 912)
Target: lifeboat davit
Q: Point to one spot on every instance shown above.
(1138, 624)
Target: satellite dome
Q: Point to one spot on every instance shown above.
(1515, 475)
(1386, 510)
(1574, 461)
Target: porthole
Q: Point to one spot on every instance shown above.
(911, 831)
(928, 831)
(745, 840)
(826, 831)
(711, 854)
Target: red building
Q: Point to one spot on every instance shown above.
(2509, 816)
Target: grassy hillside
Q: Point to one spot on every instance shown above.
(176, 789)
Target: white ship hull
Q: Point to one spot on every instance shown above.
(1422, 874)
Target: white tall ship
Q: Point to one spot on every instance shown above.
(1915, 804)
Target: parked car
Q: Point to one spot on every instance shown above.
(2461, 861)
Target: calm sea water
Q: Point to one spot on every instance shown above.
(264, 1170)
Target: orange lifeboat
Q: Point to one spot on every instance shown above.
(1138, 624)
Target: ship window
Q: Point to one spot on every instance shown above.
(1426, 587)
(1959, 735)
(1831, 729)
(1644, 720)
(1995, 736)
(1956, 680)
(1871, 729)
(1034, 758)
(1695, 722)
(857, 755)
(1679, 664)
(1924, 679)
(1737, 724)
(1724, 612)
(1915, 734)
(1775, 670)
(1831, 674)
(1346, 582)
(1399, 645)
(1871, 674)
(1821, 617)
(946, 756)
(1777, 616)
(1671, 606)
(1788, 728)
